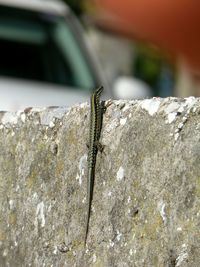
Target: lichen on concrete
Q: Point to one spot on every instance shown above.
(145, 209)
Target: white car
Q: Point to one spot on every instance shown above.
(46, 60)
(44, 57)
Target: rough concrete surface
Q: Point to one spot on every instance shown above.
(146, 204)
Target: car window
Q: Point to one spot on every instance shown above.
(72, 53)
(41, 47)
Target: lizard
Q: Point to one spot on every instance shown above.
(96, 116)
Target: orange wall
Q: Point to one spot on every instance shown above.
(172, 24)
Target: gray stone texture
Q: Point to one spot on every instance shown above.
(146, 205)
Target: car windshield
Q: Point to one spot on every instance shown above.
(41, 47)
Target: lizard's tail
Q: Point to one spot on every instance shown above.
(89, 200)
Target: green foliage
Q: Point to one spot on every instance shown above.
(76, 6)
(147, 64)
(151, 66)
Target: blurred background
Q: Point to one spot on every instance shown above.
(55, 52)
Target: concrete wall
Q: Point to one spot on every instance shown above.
(146, 205)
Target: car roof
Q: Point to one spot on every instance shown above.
(53, 6)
